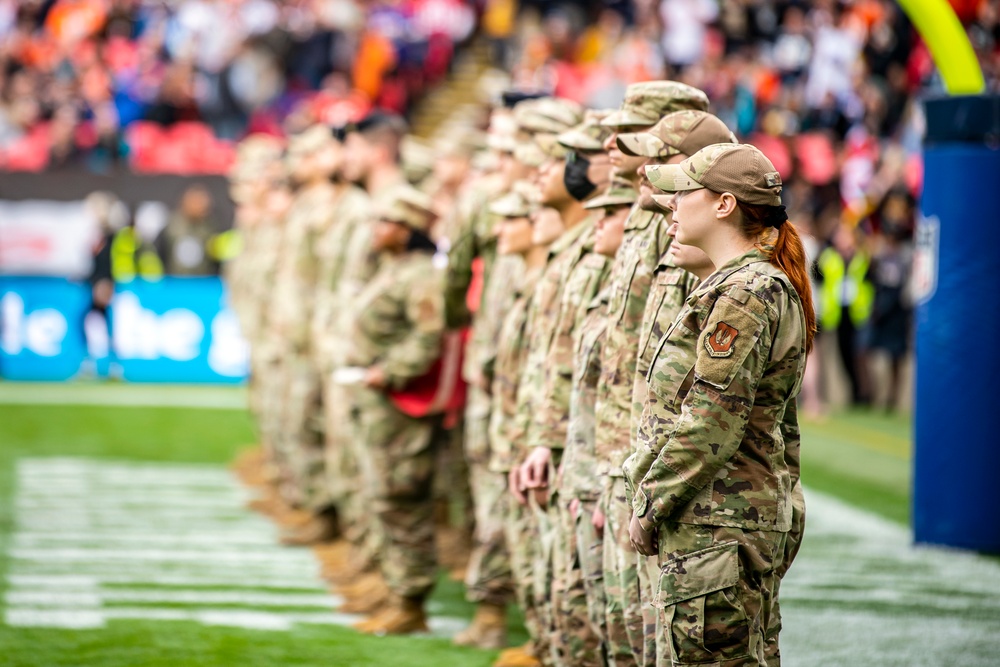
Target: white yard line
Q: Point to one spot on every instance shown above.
(94, 539)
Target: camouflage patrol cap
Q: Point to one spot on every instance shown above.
(548, 114)
(530, 153)
(502, 135)
(253, 154)
(512, 205)
(616, 195)
(409, 206)
(310, 141)
(648, 101)
(740, 169)
(416, 158)
(588, 136)
(682, 132)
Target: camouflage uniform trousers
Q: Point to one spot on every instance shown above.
(452, 490)
(301, 435)
(590, 555)
(544, 529)
(520, 529)
(399, 452)
(576, 641)
(793, 540)
(489, 578)
(716, 594)
(348, 482)
(626, 638)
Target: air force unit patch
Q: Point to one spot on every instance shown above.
(720, 343)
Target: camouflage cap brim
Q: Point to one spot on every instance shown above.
(501, 143)
(670, 178)
(663, 201)
(616, 195)
(627, 117)
(644, 144)
(530, 154)
(551, 146)
(579, 141)
(511, 205)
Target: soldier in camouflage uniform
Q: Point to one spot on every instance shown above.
(715, 502)
(488, 579)
(583, 173)
(396, 336)
(674, 138)
(315, 156)
(644, 243)
(578, 554)
(372, 146)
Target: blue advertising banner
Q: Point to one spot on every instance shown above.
(171, 330)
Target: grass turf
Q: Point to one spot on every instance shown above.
(861, 458)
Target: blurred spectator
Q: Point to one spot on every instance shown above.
(75, 75)
(186, 244)
(890, 271)
(846, 298)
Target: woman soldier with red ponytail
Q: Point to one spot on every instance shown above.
(717, 462)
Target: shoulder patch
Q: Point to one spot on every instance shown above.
(719, 343)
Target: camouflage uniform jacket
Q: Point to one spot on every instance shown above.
(297, 271)
(471, 238)
(579, 465)
(399, 319)
(670, 288)
(511, 352)
(645, 241)
(720, 385)
(542, 319)
(350, 211)
(270, 235)
(581, 283)
(494, 302)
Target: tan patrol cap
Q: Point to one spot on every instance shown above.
(547, 114)
(648, 101)
(682, 132)
(740, 169)
(512, 205)
(410, 207)
(502, 135)
(588, 136)
(310, 141)
(616, 195)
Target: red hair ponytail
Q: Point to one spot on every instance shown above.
(788, 254)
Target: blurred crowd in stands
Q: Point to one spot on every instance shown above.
(167, 85)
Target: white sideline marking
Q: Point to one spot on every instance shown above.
(153, 396)
(933, 606)
(100, 541)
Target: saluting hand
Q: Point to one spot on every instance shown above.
(642, 540)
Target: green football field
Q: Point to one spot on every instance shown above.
(123, 541)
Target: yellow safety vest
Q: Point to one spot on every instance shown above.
(835, 273)
(128, 260)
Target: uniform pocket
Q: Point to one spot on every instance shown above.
(703, 614)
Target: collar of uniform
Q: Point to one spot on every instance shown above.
(570, 237)
(527, 285)
(639, 218)
(602, 298)
(752, 256)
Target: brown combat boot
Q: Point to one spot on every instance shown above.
(402, 616)
(517, 657)
(488, 629)
(320, 528)
(366, 584)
